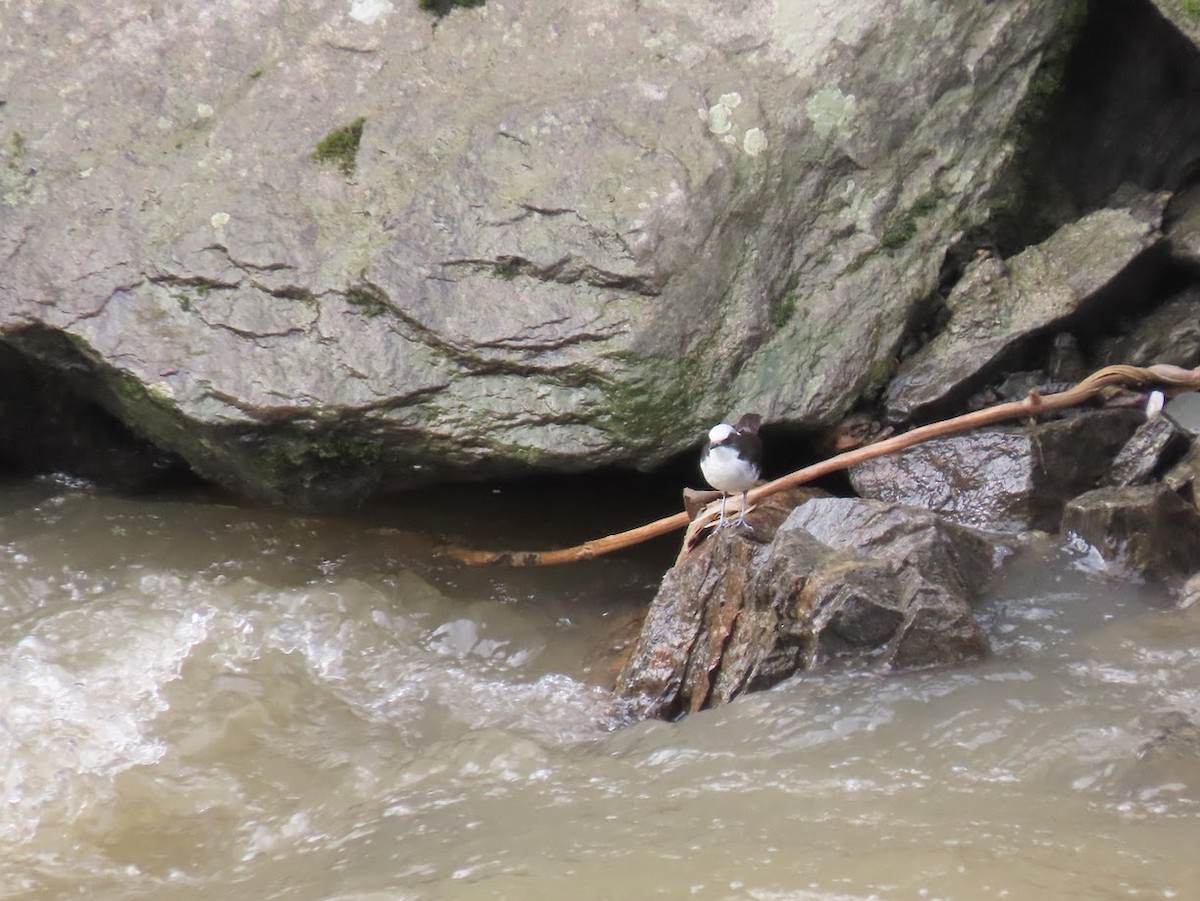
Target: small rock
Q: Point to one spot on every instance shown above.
(1148, 529)
(1184, 477)
(1189, 594)
(1184, 411)
(1155, 445)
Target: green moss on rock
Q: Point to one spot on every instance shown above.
(340, 146)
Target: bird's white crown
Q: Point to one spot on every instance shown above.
(720, 432)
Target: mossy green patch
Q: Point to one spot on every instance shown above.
(340, 146)
(369, 299)
(17, 149)
(904, 228)
(1022, 196)
(1190, 7)
(783, 308)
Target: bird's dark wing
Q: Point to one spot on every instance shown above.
(749, 423)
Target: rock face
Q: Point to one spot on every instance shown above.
(841, 582)
(551, 235)
(1000, 306)
(1009, 479)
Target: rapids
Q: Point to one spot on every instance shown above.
(201, 700)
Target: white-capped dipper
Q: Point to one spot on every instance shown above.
(732, 461)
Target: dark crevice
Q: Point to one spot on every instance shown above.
(53, 423)
(1122, 115)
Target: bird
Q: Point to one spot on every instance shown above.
(732, 461)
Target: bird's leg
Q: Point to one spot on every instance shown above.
(741, 520)
(721, 521)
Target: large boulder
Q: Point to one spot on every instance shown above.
(840, 582)
(322, 250)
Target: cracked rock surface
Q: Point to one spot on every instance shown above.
(573, 234)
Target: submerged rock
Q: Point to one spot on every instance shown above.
(333, 249)
(840, 582)
(1008, 479)
(1146, 529)
(1168, 762)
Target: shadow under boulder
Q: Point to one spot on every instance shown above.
(51, 427)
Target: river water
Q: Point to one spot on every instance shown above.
(200, 700)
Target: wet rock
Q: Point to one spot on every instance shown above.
(1189, 592)
(999, 308)
(1184, 477)
(561, 236)
(1007, 479)
(1147, 529)
(1168, 334)
(1156, 445)
(960, 559)
(1184, 411)
(744, 611)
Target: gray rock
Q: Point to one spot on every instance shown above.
(1184, 477)
(1168, 334)
(1000, 306)
(891, 589)
(572, 234)
(1184, 411)
(1146, 529)
(1007, 479)
(1182, 224)
(1157, 444)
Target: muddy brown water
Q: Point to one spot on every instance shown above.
(199, 700)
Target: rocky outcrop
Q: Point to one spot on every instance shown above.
(327, 251)
(840, 582)
(1001, 307)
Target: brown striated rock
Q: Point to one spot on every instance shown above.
(746, 610)
(1184, 477)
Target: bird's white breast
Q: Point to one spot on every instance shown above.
(727, 472)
